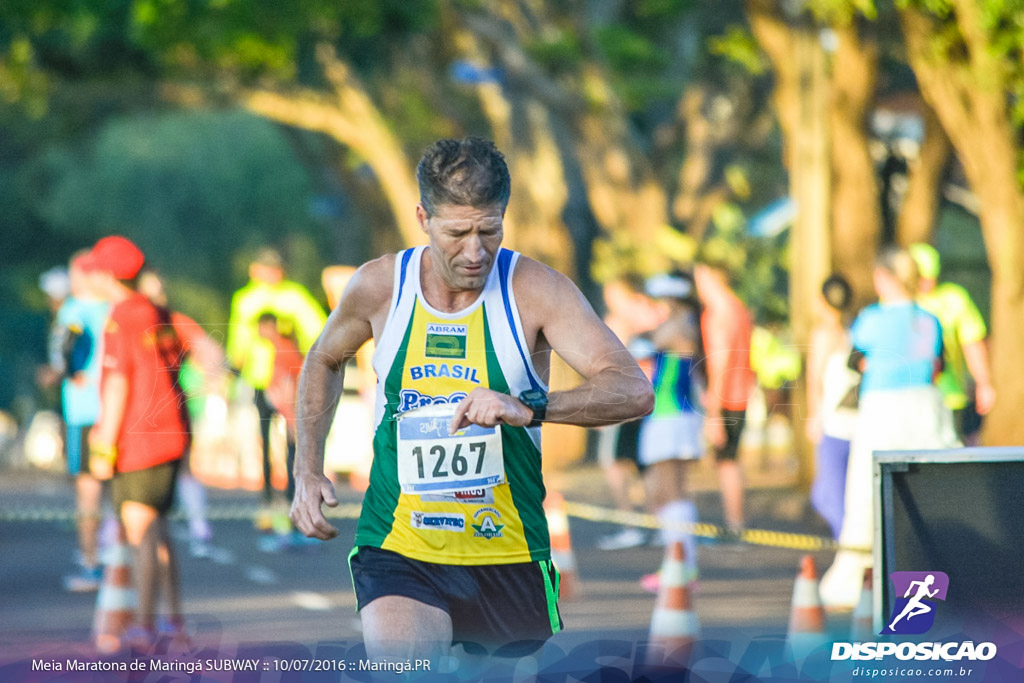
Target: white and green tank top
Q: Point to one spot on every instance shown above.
(475, 498)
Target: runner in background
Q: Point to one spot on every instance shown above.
(726, 324)
(630, 314)
(297, 312)
(831, 399)
(672, 436)
(202, 374)
(78, 351)
(283, 390)
(143, 431)
(56, 284)
(898, 346)
(963, 340)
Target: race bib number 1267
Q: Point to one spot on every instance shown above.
(432, 461)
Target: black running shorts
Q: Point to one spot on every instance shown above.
(153, 486)
(508, 610)
(734, 421)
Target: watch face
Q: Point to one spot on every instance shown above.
(533, 396)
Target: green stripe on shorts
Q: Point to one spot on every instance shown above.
(551, 592)
(350, 575)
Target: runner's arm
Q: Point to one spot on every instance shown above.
(114, 399)
(614, 388)
(240, 336)
(976, 355)
(320, 385)
(117, 362)
(206, 353)
(716, 341)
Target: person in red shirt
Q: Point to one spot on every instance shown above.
(283, 390)
(727, 326)
(143, 430)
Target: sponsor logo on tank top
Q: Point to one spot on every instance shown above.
(437, 370)
(477, 496)
(487, 526)
(445, 341)
(441, 521)
(410, 398)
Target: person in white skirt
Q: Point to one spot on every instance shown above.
(898, 347)
(672, 436)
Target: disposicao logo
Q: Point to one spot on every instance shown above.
(914, 612)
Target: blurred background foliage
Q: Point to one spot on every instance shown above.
(635, 131)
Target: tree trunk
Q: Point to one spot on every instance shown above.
(920, 208)
(968, 94)
(695, 171)
(778, 40)
(353, 120)
(856, 210)
(800, 101)
(801, 104)
(522, 130)
(623, 192)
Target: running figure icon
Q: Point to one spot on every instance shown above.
(915, 607)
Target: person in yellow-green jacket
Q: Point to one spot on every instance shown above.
(963, 338)
(297, 313)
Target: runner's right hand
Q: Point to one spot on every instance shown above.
(101, 461)
(714, 430)
(311, 492)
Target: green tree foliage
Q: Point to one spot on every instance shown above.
(619, 71)
(193, 190)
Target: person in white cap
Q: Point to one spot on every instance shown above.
(672, 436)
(75, 356)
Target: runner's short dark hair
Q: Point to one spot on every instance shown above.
(467, 172)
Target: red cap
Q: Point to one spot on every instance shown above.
(115, 254)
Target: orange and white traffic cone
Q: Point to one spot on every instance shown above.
(862, 627)
(115, 602)
(561, 546)
(674, 624)
(807, 616)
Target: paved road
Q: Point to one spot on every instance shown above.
(241, 595)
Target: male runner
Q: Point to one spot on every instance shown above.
(727, 328)
(460, 321)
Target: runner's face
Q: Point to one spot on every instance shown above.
(463, 242)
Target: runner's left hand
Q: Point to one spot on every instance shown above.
(488, 408)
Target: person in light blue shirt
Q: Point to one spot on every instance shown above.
(901, 344)
(898, 347)
(78, 329)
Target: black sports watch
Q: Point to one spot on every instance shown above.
(537, 401)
